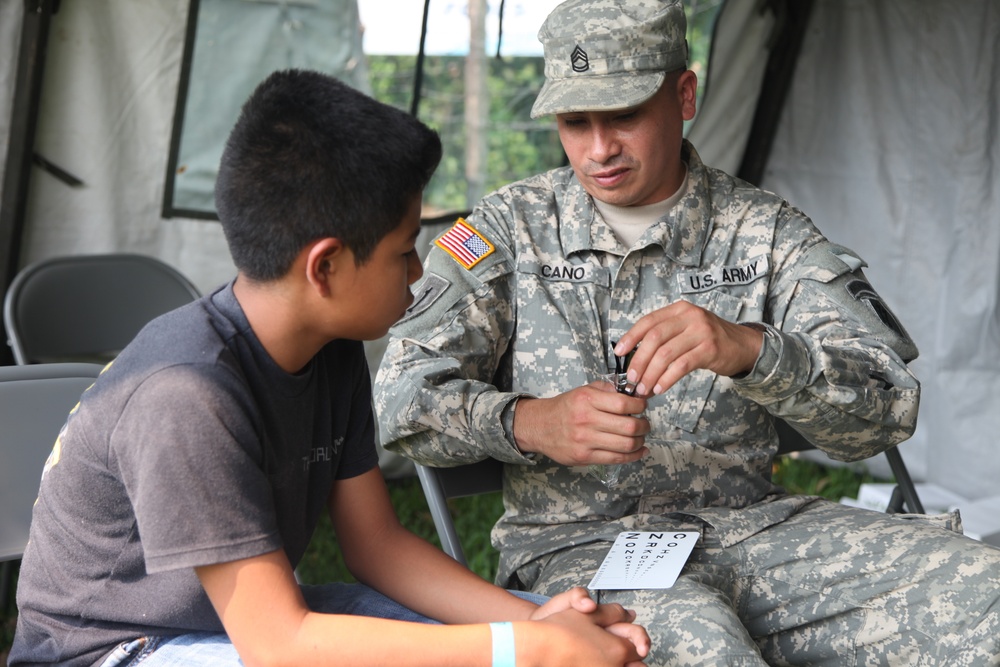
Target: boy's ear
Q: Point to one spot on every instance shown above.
(322, 259)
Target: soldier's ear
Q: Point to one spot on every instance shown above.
(687, 91)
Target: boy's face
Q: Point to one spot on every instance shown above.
(379, 291)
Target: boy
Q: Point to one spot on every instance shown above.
(187, 483)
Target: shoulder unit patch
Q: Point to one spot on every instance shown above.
(465, 244)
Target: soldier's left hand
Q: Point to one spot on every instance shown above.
(682, 337)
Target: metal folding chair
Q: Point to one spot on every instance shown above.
(904, 495)
(440, 484)
(88, 307)
(34, 403)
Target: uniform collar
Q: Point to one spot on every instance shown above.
(682, 233)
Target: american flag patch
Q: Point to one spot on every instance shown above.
(465, 244)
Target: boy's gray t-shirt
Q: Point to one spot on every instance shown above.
(192, 448)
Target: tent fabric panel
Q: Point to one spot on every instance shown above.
(889, 142)
(11, 16)
(735, 72)
(107, 106)
(237, 45)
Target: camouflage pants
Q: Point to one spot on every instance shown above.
(832, 585)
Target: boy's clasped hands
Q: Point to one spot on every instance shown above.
(572, 615)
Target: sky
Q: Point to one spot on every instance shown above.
(393, 26)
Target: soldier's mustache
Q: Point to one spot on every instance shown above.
(604, 168)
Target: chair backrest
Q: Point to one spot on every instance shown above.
(440, 484)
(88, 307)
(34, 403)
(905, 493)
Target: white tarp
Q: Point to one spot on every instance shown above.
(736, 68)
(107, 106)
(890, 143)
(889, 140)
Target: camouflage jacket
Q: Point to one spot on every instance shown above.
(530, 303)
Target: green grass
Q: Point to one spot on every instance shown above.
(474, 518)
(807, 477)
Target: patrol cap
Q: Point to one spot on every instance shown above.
(609, 54)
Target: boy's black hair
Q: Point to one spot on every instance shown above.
(310, 157)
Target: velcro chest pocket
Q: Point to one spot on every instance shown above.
(683, 404)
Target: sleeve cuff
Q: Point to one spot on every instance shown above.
(781, 370)
(507, 420)
(497, 428)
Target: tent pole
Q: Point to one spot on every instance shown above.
(790, 29)
(418, 75)
(24, 116)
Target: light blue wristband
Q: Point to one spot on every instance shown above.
(503, 645)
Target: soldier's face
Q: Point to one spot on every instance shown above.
(631, 157)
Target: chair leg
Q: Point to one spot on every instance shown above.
(904, 481)
(438, 505)
(896, 501)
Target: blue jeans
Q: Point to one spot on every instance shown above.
(208, 649)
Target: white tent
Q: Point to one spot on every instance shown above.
(886, 135)
(889, 139)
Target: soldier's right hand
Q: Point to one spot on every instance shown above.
(592, 424)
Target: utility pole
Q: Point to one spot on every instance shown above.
(477, 105)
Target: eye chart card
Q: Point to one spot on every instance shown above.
(639, 560)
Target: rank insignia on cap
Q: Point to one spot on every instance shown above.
(465, 244)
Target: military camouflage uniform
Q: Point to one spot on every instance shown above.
(796, 580)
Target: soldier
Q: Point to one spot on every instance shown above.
(736, 311)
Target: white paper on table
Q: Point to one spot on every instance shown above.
(639, 560)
